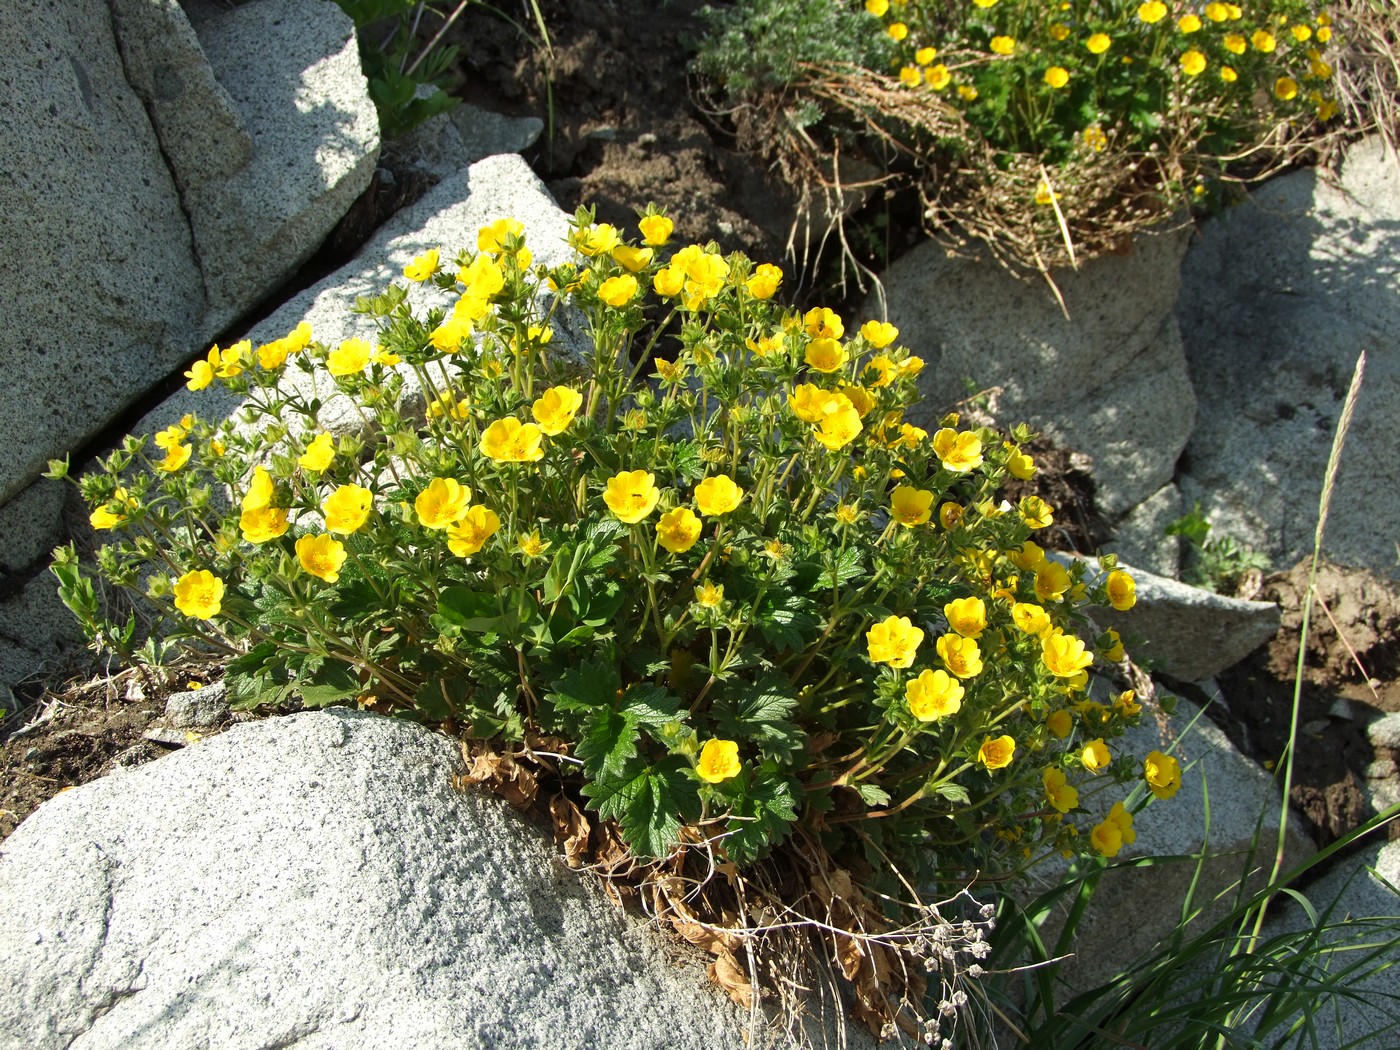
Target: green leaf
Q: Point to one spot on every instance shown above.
(843, 565)
(468, 610)
(760, 817)
(648, 803)
(787, 628)
(872, 795)
(652, 705)
(609, 740)
(760, 713)
(588, 686)
(955, 793)
(333, 683)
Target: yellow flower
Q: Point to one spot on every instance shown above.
(933, 695)
(469, 535)
(1217, 12)
(877, 7)
(997, 752)
(1057, 77)
(967, 616)
(879, 334)
(1035, 512)
(884, 369)
(1060, 723)
(910, 76)
(1028, 556)
(656, 229)
(618, 291)
(1324, 34)
(511, 441)
(492, 237)
(967, 92)
(910, 506)
(442, 503)
(1263, 41)
(199, 594)
(1030, 618)
(273, 355)
(1106, 838)
(1122, 590)
(595, 240)
(201, 373)
(1094, 755)
(962, 656)
(319, 454)
(859, 398)
(985, 3)
(808, 402)
(1126, 703)
(1124, 820)
(1002, 45)
(825, 355)
(950, 515)
(925, 55)
(1020, 465)
(299, 338)
(260, 491)
(1113, 652)
(530, 544)
(719, 761)
(1234, 43)
(839, 424)
(1061, 795)
(347, 508)
(893, 641)
(321, 556)
(1193, 63)
(1051, 581)
(1064, 655)
(1286, 89)
(481, 279)
(718, 495)
(261, 524)
(765, 281)
(445, 406)
(1188, 23)
(632, 495)
(349, 357)
(822, 323)
(110, 515)
(959, 452)
(1228, 74)
(556, 408)
(1152, 11)
(1162, 773)
(1059, 31)
(677, 530)
(1098, 43)
(1319, 70)
(230, 361)
(423, 266)
(938, 77)
(669, 281)
(709, 595)
(1096, 140)
(451, 334)
(847, 513)
(176, 456)
(897, 30)
(384, 357)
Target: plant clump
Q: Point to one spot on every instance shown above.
(762, 629)
(1045, 132)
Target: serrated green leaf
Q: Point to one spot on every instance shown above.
(872, 795)
(759, 817)
(609, 740)
(331, 684)
(842, 566)
(652, 705)
(648, 803)
(760, 713)
(468, 610)
(953, 792)
(590, 685)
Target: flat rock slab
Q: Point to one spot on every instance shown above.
(1109, 381)
(1278, 296)
(314, 881)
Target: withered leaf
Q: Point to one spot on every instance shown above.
(726, 972)
(571, 829)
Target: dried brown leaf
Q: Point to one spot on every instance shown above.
(571, 829)
(726, 972)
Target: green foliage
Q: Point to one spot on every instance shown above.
(1217, 564)
(761, 45)
(407, 82)
(725, 570)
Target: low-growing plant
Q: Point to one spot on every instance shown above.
(1219, 564)
(706, 567)
(1044, 132)
(407, 81)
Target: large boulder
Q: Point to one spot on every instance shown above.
(1278, 296)
(1109, 380)
(102, 283)
(316, 881)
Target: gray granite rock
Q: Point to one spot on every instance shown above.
(102, 286)
(1140, 536)
(316, 881)
(201, 132)
(485, 134)
(292, 69)
(1384, 732)
(1278, 296)
(1110, 381)
(198, 708)
(31, 525)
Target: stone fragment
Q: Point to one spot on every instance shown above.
(1278, 297)
(198, 708)
(1140, 536)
